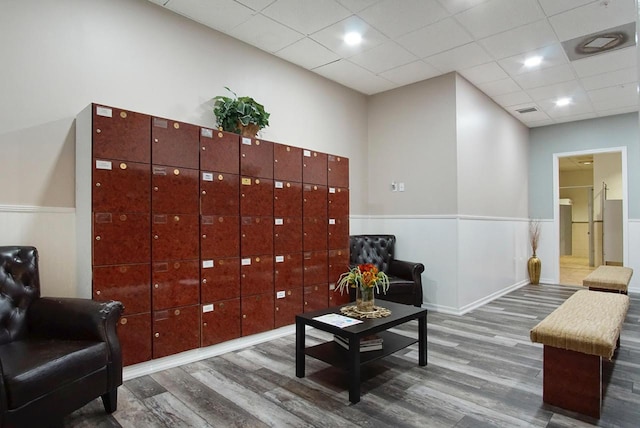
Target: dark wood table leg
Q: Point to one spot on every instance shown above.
(354, 370)
(422, 340)
(300, 335)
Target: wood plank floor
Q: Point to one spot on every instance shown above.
(482, 372)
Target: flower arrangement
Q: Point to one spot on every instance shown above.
(364, 276)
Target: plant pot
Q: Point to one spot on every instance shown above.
(251, 130)
(365, 299)
(534, 266)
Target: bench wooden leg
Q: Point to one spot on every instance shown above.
(572, 380)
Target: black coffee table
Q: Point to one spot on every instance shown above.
(352, 359)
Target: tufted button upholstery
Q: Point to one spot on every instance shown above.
(56, 354)
(405, 278)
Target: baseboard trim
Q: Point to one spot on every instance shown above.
(36, 209)
(149, 367)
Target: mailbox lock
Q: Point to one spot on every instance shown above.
(205, 324)
(204, 236)
(157, 335)
(98, 292)
(204, 148)
(98, 238)
(155, 237)
(244, 316)
(98, 131)
(123, 321)
(97, 184)
(156, 285)
(155, 188)
(204, 192)
(204, 281)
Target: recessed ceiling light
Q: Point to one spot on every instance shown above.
(561, 102)
(353, 38)
(534, 61)
(586, 162)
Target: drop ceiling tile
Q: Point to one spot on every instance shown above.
(410, 73)
(306, 16)
(226, 15)
(575, 118)
(606, 62)
(622, 110)
(552, 55)
(383, 57)
(395, 18)
(160, 2)
(570, 88)
(612, 78)
(538, 123)
(308, 54)
(512, 99)
(465, 56)
(520, 40)
(497, 16)
(265, 34)
(457, 6)
(354, 76)
(554, 7)
(616, 103)
(256, 5)
(580, 104)
(499, 87)
(332, 37)
(545, 77)
(489, 72)
(357, 5)
(593, 17)
(627, 94)
(435, 38)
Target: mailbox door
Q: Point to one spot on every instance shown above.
(287, 163)
(287, 199)
(338, 171)
(316, 297)
(220, 321)
(314, 200)
(219, 236)
(336, 298)
(134, 332)
(338, 202)
(338, 231)
(220, 280)
(219, 151)
(175, 143)
(175, 283)
(256, 236)
(120, 186)
(315, 267)
(314, 233)
(121, 134)
(120, 238)
(129, 284)
(219, 193)
(288, 271)
(338, 263)
(256, 158)
(175, 190)
(175, 237)
(288, 303)
(314, 167)
(257, 313)
(176, 330)
(256, 196)
(256, 275)
(287, 235)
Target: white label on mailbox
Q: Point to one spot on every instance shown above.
(279, 222)
(103, 164)
(279, 185)
(207, 308)
(207, 264)
(246, 262)
(246, 141)
(332, 190)
(206, 132)
(207, 176)
(104, 111)
(280, 294)
(332, 221)
(307, 153)
(279, 259)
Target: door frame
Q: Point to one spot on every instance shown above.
(556, 196)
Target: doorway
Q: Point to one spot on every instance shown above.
(590, 212)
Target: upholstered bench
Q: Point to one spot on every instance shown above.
(576, 336)
(609, 278)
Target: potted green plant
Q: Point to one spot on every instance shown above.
(240, 115)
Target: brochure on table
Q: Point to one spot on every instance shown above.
(337, 320)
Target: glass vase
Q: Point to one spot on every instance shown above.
(365, 299)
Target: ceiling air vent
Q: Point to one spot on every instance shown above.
(527, 110)
(614, 38)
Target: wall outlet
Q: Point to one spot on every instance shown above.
(401, 187)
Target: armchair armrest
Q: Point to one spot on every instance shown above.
(406, 270)
(73, 318)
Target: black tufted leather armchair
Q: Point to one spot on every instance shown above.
(404, 277)
(56, 354)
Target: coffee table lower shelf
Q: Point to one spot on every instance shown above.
(337, 356)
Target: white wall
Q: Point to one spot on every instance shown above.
(57, 57)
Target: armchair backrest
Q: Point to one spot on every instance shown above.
(375, 249)
(19, 286)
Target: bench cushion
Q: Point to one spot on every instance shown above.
(609, 278)
(587, 322)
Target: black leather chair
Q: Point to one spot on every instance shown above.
(56, 354)
(404, 277)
